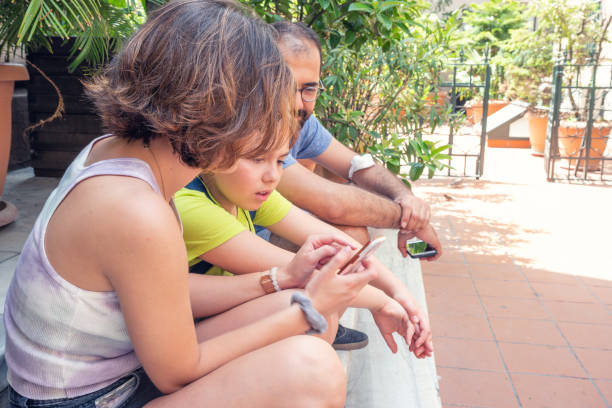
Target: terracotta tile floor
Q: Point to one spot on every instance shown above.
(521, 301)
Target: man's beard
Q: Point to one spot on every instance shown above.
(302, 116)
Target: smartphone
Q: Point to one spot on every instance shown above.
(420, 249)
(360, 255)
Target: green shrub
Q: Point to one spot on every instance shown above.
(381, 65)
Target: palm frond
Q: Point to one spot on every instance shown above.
(98, 26)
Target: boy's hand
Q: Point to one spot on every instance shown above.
(421, 343)
(390, 318)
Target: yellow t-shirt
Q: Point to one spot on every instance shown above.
(206, 224)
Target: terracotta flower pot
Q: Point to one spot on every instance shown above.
(537, 132)
(9, 73)
(570, 140)
(473, 110)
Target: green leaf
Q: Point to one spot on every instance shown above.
(386, 46)
(385, 5)
(416, 170)
(384, 20)
(366, 8)
(432, 171)
(349, 38)
(334, 39)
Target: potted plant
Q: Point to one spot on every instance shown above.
(527, 59)
(582, 41)
(63, 42)
(528, 55)
(9, 73)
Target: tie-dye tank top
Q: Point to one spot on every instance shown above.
(63, 341)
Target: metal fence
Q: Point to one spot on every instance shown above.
(467, 80)
(579, 122)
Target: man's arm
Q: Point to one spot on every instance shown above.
(337, 158)
(335, 203)
(415, 212)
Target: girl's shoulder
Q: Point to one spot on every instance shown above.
(124, 204)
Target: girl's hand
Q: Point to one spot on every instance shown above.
(390, 318)
(332, 293)
(316, 252)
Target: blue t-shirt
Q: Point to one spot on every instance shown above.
(313, 140)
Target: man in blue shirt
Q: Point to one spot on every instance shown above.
(377, 199)
(382, 201)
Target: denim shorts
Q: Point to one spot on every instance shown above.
(132, 391)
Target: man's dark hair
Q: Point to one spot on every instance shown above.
(299, 31)
(207, 75)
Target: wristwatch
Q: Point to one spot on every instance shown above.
(266, 283)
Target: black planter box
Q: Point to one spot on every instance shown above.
(55, 144)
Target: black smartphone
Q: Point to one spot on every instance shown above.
(420, 249)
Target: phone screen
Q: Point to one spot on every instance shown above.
(420, 249)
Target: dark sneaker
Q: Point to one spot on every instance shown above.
(349, 339)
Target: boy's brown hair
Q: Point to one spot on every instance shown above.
(207, 76)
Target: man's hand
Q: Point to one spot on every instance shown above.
(316, 252)
(415, 212)
(390, 318)
(427, 234)
(421, 342)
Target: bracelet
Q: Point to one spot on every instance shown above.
(273, 277)
(317, 322)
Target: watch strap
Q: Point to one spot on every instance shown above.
(266, 283)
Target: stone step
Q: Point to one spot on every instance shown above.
(377, 378)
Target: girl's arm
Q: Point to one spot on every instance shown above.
(147, 267)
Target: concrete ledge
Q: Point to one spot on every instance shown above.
(378, 378)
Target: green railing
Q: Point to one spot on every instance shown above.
(579, 122)
(473, 80)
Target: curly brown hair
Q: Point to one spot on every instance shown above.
(207, 75)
